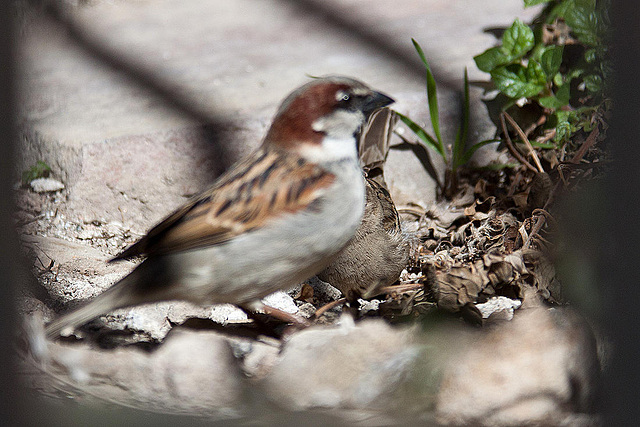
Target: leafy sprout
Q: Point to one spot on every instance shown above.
(459, 155)
(559, 64)
(39, 170)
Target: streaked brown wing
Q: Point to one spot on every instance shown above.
(377, 192)
(266, 185)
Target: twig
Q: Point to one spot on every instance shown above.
(543, 215)
(591, 139)
(400, 288)
(514, 151)
(514, 185)
(542, 120)
(319, 312)
(524, 138)
(549, 135)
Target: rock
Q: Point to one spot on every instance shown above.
(72, 272)
(282, 301)
(155, 320)
(337, 367)
(192, 372)
(323, 291)
(540, 368)
(498, 308)
(227, 313)
(258, 357)
(46, 185)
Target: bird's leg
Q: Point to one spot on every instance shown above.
(319, 312)
(255, 307)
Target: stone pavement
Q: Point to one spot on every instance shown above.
(125, 156)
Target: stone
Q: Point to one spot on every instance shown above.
(46, 185)
(282, 301)
(192, 372)
(498, 308)
(323, 291)
(73, 272)
(259, 358)
(538, 369)
(335, 367)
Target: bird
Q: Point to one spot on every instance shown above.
(274, 219)
(377, 253)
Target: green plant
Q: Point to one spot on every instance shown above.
(560, 64)
(458, 154)
(39, 170)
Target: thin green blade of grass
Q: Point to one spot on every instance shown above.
(431, 93)
(423, 135)
(467, 154)
(543, 145)
(460, 142)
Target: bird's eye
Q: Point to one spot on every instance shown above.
(342, 96)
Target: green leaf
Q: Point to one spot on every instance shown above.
(39, 170)
(432, 97)
(517, 40)
(545, 146)
(423, 135)
(514, 82)
(583, 20)
(564, 93)
(557, 79)
(535, 74)
(563, 127)
(461, 138)
(559, 11)
(593, 83)
(491, 58)
(420, 51)
(551, 59)
(551, 102)
(529, 3)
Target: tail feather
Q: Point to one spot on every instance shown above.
(113, 298)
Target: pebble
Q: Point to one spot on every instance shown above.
(46, 185)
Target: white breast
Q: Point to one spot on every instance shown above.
(283, 253)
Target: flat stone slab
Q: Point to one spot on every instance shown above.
(125, 156)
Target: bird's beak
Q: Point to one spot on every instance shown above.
(374, 101)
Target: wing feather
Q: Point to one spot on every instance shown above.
(268, 184)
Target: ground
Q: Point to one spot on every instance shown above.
(126, 159)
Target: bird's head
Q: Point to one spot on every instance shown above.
(321, 118)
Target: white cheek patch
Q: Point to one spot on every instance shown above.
(339, 124)
(331, 150)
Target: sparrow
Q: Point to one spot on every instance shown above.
(274, 219)
(377, 253)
